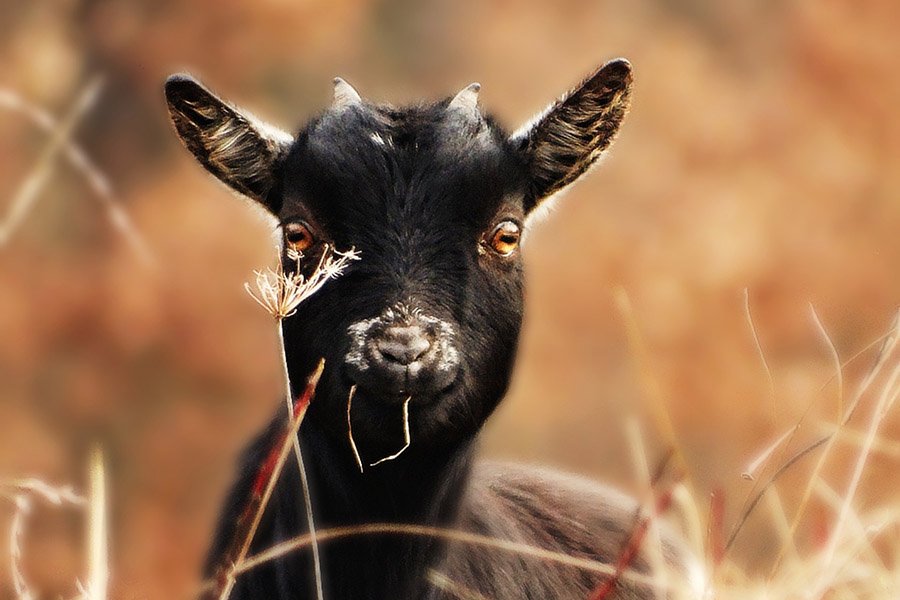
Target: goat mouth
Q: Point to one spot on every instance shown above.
(419, 398)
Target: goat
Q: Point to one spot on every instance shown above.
(435, 198)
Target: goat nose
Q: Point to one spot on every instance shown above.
(403, 345)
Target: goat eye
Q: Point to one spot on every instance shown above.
(298, 237)
(505, 238)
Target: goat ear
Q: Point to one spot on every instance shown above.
(573, 132)
(233, 145)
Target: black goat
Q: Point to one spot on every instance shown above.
(435, 198)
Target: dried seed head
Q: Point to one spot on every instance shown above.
(281, 293)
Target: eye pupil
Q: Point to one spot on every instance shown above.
(505, 238)
(298, 237)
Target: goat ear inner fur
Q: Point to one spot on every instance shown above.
(232, 144)
(565, 140)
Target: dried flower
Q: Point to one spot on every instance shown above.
(281, 293)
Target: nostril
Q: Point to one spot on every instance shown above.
(404, 345)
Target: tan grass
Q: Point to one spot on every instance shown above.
(26, 195)
(98, 559)
(23, 494)
(81, 162)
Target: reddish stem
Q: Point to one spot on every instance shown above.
(267, 476)
(630, 552)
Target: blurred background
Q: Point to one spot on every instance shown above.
(760, 155)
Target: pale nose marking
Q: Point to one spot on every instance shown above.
(445, 334)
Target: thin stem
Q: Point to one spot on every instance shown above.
(295, 442)
(26, 196)
(406, 436)
(761, 353)
(465, 537)
(96, 180)
(98, 560)
(350, 429)
(266, 480)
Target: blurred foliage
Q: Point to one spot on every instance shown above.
(761, 153)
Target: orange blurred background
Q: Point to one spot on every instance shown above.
(760, 154)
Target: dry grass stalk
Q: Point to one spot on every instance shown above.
(761, 460)
(353, 447)
(25, 197)
(715, 538)
(406, 436)
(660, 411)
(264, 485)
(641, 467)
(888, 346)
(852, 437)
(858, 528)
(633, 547)
(96, 180)
(692, 521)
(885, 400)
(21, 493)
(445, 584)
(98, 559)
(453, 535)
(761, 353)
(780, 521)
(832, 349)
(280, 293)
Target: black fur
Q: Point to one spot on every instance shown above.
(418, 191)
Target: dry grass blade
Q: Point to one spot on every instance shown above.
(760, 352)
(96, 180)
(858, 528)
(845, 435)
(885, 400)
(445, 584)
(24, 198)
(406, 436)
(641, 467)
(715, 540)
(838, 367)
(633, 547)
(353, 447)
(661, 416)
(464, 537)
(889, 344)
(280, 293)
(298, 454)
(264, 485)
(98, 560)
(779, 519)
(16, 532)
(21, 493)
(763, 457)
(887, 349)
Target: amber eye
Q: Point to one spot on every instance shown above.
(505, 238)
(298, 237)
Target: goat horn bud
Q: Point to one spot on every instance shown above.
(466, 101)
(344, 95)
